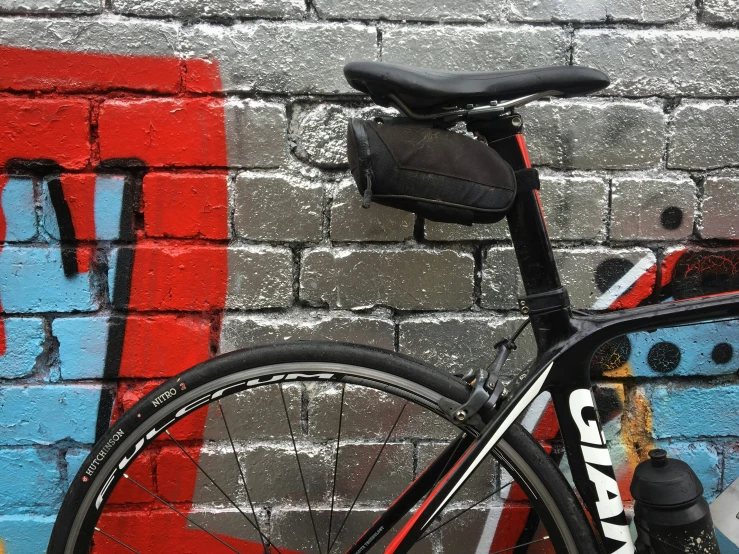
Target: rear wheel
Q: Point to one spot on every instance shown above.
(299, 448)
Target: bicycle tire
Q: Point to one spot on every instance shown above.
(553, 499)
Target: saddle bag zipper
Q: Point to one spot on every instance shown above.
(365, 163)
(367, 198)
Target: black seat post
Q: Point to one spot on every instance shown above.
(528, 228)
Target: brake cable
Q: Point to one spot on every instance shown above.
(487, 385)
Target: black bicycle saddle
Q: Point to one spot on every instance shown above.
(424, 89)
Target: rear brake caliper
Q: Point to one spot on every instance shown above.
(486, 388)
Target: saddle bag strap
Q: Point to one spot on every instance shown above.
(527, 179)
(544, 302)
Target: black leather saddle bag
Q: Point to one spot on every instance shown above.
(438, 174)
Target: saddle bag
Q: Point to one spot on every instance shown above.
(438, 174)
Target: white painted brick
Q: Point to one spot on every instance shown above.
(287, 57)
(350, 222)
(642, 11)
(51, 6)
(226, 522)
(275, 207)
(720, 11)
(574, 207)
(259, 277)
(501, 280)
(706, 135)
(411, 10)
(663, 62)
(589, 272)
(106, 34)
(475, 48)
(399, 278)
(242, 331)
(644, 208)
(319, 134)
(460, 343)
(369, 414)
(319, 131)
(293, 528)
(222, 9)
(720, 207)
(594, 134)
(255, 133)
(466, 526)
(451, 232)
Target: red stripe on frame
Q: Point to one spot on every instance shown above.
(524, 150)
(411, 522)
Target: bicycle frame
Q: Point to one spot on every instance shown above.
(566, 343)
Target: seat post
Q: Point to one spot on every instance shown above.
(532, 246)
(528, 228)
(525, 219)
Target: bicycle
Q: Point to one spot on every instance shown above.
(329, 402)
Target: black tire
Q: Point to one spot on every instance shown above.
(555, 502)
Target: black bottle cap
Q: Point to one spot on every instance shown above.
(665, 482)
(658, 457)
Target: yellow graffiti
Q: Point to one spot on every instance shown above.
(637, 428)
(619, 372)
(2, 548)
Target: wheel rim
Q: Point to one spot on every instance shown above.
(328, 381)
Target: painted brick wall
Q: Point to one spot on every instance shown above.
(173, 184)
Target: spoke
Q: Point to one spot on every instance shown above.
(356, 498)
(175, 510)
(336, 468)
(243, 479)
(435, 529)
(300, 469)
(520, 545)
(186, 453)
(123, 544)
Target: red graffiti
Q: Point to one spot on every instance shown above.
(517, 523)
(39, 128)
(83, 114)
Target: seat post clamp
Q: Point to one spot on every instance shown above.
(544, 302)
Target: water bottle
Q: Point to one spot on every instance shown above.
(670, 513)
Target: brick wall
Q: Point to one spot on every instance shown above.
(173, 184)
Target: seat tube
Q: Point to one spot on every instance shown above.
(528, 228)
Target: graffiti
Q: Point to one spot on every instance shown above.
(700, 350)
(95, 187)
(706, 349)
(83, 211)
(113, 217)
